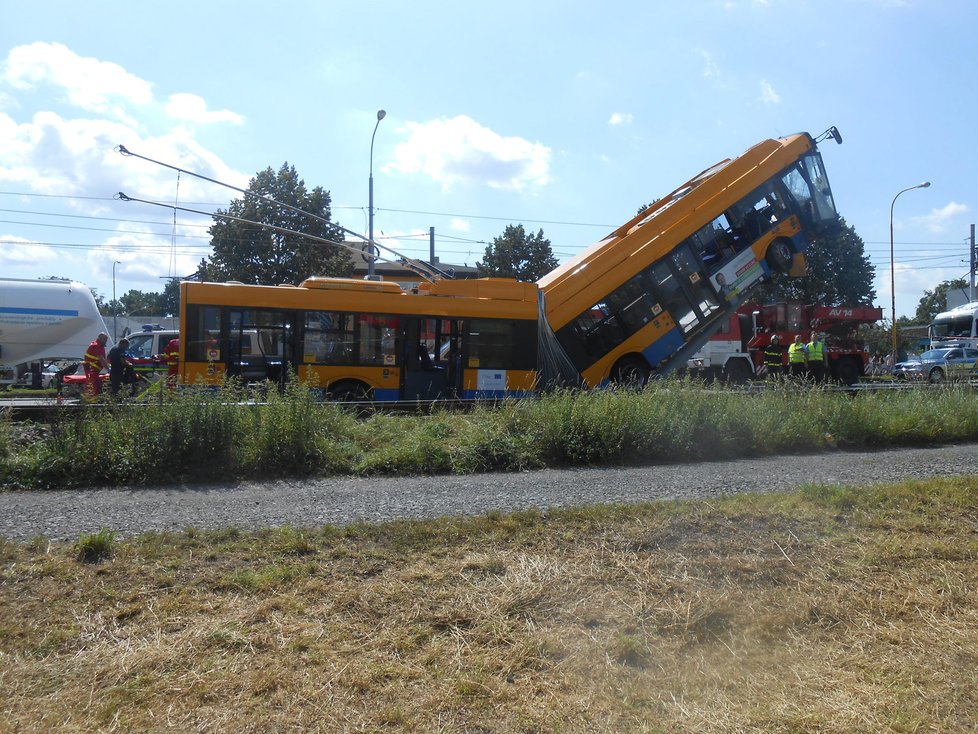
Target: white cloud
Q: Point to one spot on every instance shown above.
(768, 95)
(87, 83)
(461, 151)
(17, 251)
(192, 108)
(710, 68)
(459, 225)
(941, 220)
(85, 108)
(621, 118)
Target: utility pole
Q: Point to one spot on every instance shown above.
(971, 293)
(431, 245)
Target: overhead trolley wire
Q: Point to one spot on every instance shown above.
(426, 270)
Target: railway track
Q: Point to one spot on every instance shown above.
(49, 408)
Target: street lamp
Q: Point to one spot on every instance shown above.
(371, 249)
(115, 307)
(893, 351)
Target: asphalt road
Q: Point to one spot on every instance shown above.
(66, 514)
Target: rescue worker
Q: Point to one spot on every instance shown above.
(774, 358)
(798, 358)
(95, 362)
(171, 357)
(818, 359)
(120, 368)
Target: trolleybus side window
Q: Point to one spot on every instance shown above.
(499, 344)
(203, 322)
(329, 337)
(377, 338)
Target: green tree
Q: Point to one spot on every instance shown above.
(839, 274)
(150, 303)
(935, 301)
(516, 254)
(255, 254)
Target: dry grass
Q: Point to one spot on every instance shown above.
(826, 611)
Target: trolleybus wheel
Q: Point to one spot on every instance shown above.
(779, 257)
(348, 391)
(847, 372)
(630, 372)
(737, 372)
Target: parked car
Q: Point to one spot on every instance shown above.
(938, 365)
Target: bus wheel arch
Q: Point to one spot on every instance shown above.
(348, 391)
(779, 255)
(631, 371)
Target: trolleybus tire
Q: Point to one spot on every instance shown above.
(630, 372)
(847, 371)
(737, 371)
(779, 257)
(348, 391)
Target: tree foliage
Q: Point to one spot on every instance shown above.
(839, 274)
(516, 254)
(133, 302)
(935, 301)
(253, 254)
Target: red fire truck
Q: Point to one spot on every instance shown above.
(736, 351)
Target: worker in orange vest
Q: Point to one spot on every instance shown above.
(95, 362)
(171, 356)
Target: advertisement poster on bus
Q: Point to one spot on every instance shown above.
(737, 275)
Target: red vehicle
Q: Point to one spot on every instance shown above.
(736, 350)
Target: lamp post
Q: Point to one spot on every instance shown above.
(893, 350)
(115, 307)
(371, 249)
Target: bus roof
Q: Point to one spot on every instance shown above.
(704, 197)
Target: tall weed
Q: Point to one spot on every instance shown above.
(205, 435)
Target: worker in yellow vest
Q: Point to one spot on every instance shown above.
(798, 358)
(818, 359)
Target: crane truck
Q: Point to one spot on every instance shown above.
(735, 352)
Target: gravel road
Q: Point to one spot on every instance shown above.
(65, 514)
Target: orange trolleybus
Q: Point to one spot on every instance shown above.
(365, 340)
(648, 296)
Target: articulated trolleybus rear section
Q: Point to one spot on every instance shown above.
(648, 296)
(365, 340)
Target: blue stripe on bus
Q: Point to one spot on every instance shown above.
(387, 394)
(494, 394)
(39, 311)
(663, 347)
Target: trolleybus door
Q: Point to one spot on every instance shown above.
(424, 378)
(261, 345)
(684, 291)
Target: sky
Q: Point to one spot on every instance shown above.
(564, 117)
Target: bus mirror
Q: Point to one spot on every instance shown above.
(833, 133)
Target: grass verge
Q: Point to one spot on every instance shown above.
(828, 610)
(197, 436)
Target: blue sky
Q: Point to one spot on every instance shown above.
(562, 116)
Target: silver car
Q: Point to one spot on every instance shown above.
(938, 365)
